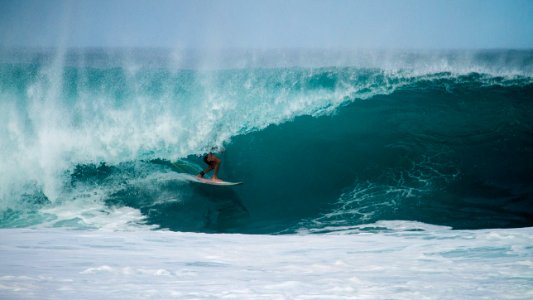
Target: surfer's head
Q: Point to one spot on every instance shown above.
(208, 158)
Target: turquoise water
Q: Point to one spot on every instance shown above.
(322, 141)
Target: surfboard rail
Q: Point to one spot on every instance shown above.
(211, 182)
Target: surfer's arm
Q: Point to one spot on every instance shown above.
(207, 170)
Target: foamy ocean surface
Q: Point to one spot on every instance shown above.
(367, 174)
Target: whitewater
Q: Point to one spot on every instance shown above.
(418, 262)
(367, 174)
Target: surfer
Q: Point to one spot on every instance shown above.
(213, 162)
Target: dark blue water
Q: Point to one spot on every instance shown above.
(88, 144)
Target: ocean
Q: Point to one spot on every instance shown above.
(351, 162)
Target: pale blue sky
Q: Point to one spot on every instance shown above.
(268, 24)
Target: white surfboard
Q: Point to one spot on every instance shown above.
(211, 182)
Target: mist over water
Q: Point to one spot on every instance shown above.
(322, 139)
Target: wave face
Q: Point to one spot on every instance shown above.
(323, 142)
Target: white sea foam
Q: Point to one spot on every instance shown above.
(429, 263)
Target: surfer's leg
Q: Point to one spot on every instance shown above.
(217, 166)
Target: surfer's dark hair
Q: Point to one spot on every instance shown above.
(205, 158)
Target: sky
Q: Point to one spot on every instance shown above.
(276, 24)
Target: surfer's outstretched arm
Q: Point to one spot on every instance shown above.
(207, 170)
